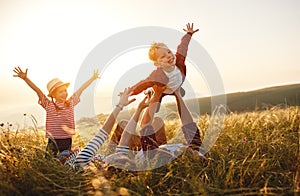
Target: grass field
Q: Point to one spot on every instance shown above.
(257, 153)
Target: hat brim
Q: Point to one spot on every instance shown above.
(67, 84)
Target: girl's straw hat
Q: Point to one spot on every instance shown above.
(54, 84)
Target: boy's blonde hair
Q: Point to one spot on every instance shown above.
(152, 53)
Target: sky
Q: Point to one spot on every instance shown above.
(253, 44)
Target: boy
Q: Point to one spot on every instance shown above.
(171, 69)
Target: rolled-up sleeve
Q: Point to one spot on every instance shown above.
(44, 101)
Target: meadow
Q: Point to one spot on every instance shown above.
(257, 153)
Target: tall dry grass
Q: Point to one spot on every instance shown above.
(257, 153)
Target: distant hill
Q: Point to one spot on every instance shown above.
(287, 95)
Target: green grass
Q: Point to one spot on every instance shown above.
(257, 153)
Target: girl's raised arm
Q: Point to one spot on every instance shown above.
(23, 75)
(87, 83)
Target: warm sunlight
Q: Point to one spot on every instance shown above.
(52, 39)
(232, 128)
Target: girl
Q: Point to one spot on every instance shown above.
(60, 124)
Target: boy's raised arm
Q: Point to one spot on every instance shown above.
(182, 48)
(23, 75)
(190, 28)
(87, 83)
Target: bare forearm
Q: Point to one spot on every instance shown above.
(149, 115)
(130, 128)
(124, 101)
(151, 110)
(110, 121)
(34, 87)
(85, 85)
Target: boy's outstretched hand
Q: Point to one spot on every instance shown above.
(20, 73)
(190, 28)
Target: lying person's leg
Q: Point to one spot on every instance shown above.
(88, 153)
(189, 127)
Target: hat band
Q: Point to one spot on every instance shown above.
(56, 86)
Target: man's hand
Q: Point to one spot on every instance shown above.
(124, 97)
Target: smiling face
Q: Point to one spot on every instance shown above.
(165, 57)
(60, 94)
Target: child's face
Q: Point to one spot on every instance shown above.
(165, 57)
(60, 94)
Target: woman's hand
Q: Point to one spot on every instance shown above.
(124, 97)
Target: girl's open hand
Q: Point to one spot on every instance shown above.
(96, 74)
(20, 73)
(190, 28)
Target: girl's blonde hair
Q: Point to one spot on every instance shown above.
(152, 53)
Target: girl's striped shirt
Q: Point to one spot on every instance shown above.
(60, 118)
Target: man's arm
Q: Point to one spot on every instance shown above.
(130, 128)
(124, 101)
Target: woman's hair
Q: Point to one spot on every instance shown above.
(152, 53)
